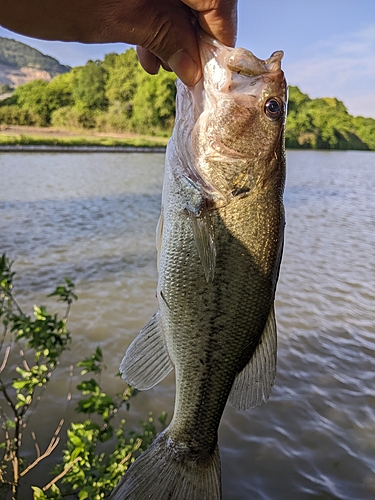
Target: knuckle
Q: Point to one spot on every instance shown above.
(158, 37)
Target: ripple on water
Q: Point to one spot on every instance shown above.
(93, 217)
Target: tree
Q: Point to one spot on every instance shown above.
(154, 103)
(122, 79)
(59, 91)
(89, 86)
(32, 97)
(322, 123)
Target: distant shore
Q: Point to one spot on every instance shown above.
(39, 139)
(16, 138)
(39, 148)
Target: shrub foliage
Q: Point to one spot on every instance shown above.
(40, 340)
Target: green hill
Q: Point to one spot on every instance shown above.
(325, 123)
(20, 55)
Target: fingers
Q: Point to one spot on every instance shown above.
(185, 67)
(172, 34)
(149, 61)
(218, 18)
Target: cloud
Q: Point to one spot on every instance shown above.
(343, 67)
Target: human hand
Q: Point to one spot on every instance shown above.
(176, 48)
(163, 29)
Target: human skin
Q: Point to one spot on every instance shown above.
(165, 31)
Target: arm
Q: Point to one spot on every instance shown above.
(163, 29)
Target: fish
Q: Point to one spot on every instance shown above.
(219, 244)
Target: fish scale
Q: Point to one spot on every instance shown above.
(219, 240)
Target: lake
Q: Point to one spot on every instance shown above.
(92, 217)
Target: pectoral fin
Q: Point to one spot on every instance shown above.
(197, 208)
(254, 383)
(159, 236)
(147, 361)
(204, 241)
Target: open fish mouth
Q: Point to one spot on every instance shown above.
(224, 66)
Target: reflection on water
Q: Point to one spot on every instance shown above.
(92, 217)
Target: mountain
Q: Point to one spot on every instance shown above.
(20, 64)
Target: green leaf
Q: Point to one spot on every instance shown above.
(38, 494)
(93, 363)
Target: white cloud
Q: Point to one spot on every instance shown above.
(342, 67)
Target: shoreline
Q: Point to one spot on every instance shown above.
(47, 148)
(15, 138)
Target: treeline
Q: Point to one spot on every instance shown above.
(325, 123)
(19, 55)
(110, 95)
(116, 95)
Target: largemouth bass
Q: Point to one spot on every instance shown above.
(219, 240)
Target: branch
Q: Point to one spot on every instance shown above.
(35, 444)
(22, 354)
(52, 445)
(62, 474)
(7, 351)
(7, 397)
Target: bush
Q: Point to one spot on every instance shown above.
(74, 118)
(85, 471)
(116, 119)
(13, 115)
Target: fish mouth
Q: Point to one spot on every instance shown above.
(243, 62)
(239, 60)
(236, 70)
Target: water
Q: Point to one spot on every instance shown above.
(92, 217)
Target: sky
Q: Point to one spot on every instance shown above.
(329, 46)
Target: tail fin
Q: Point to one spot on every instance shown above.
(167, 471)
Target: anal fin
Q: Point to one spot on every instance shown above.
(147, 361)
(254, 383)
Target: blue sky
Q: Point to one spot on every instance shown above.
(329, 45)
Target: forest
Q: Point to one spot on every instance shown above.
(116, 95)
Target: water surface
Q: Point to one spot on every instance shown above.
(92, 217)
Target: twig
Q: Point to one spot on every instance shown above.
(7, 397)
(126, 458)
(7, 351)
(69, 395)
(36, 444)
(62, 474)
(4, 334)
(22, 354)
(52, 445)
(137, 445)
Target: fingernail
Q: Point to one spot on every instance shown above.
(185, 67)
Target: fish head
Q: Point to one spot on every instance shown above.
(240, 112)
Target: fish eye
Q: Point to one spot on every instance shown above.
(274, 108)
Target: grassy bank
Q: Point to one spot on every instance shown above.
(20, 136)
